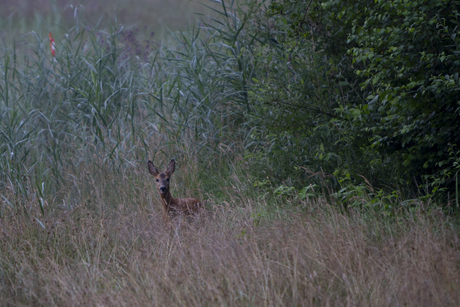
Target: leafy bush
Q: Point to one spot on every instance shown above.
(361, 88)
(410, 55)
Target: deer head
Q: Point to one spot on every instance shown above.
(162, 179)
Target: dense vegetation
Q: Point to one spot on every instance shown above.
(323, 135)
(368, 92)
(357, 98)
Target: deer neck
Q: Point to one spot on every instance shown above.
(168, 200)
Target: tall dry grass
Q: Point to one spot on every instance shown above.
(113, 250)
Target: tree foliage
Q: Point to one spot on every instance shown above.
(363, 89)
(410, 53)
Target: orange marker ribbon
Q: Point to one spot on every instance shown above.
(52, 46)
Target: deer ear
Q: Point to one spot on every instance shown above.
(152, 169)
(171, 168)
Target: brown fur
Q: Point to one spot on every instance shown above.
(172, 206)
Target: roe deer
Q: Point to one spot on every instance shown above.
(172, 206)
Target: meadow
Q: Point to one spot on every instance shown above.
(80, 219)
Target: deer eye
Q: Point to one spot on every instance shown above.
(157, 180)
(167, 179)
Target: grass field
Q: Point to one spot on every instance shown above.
(81, 222)
(118, 253)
